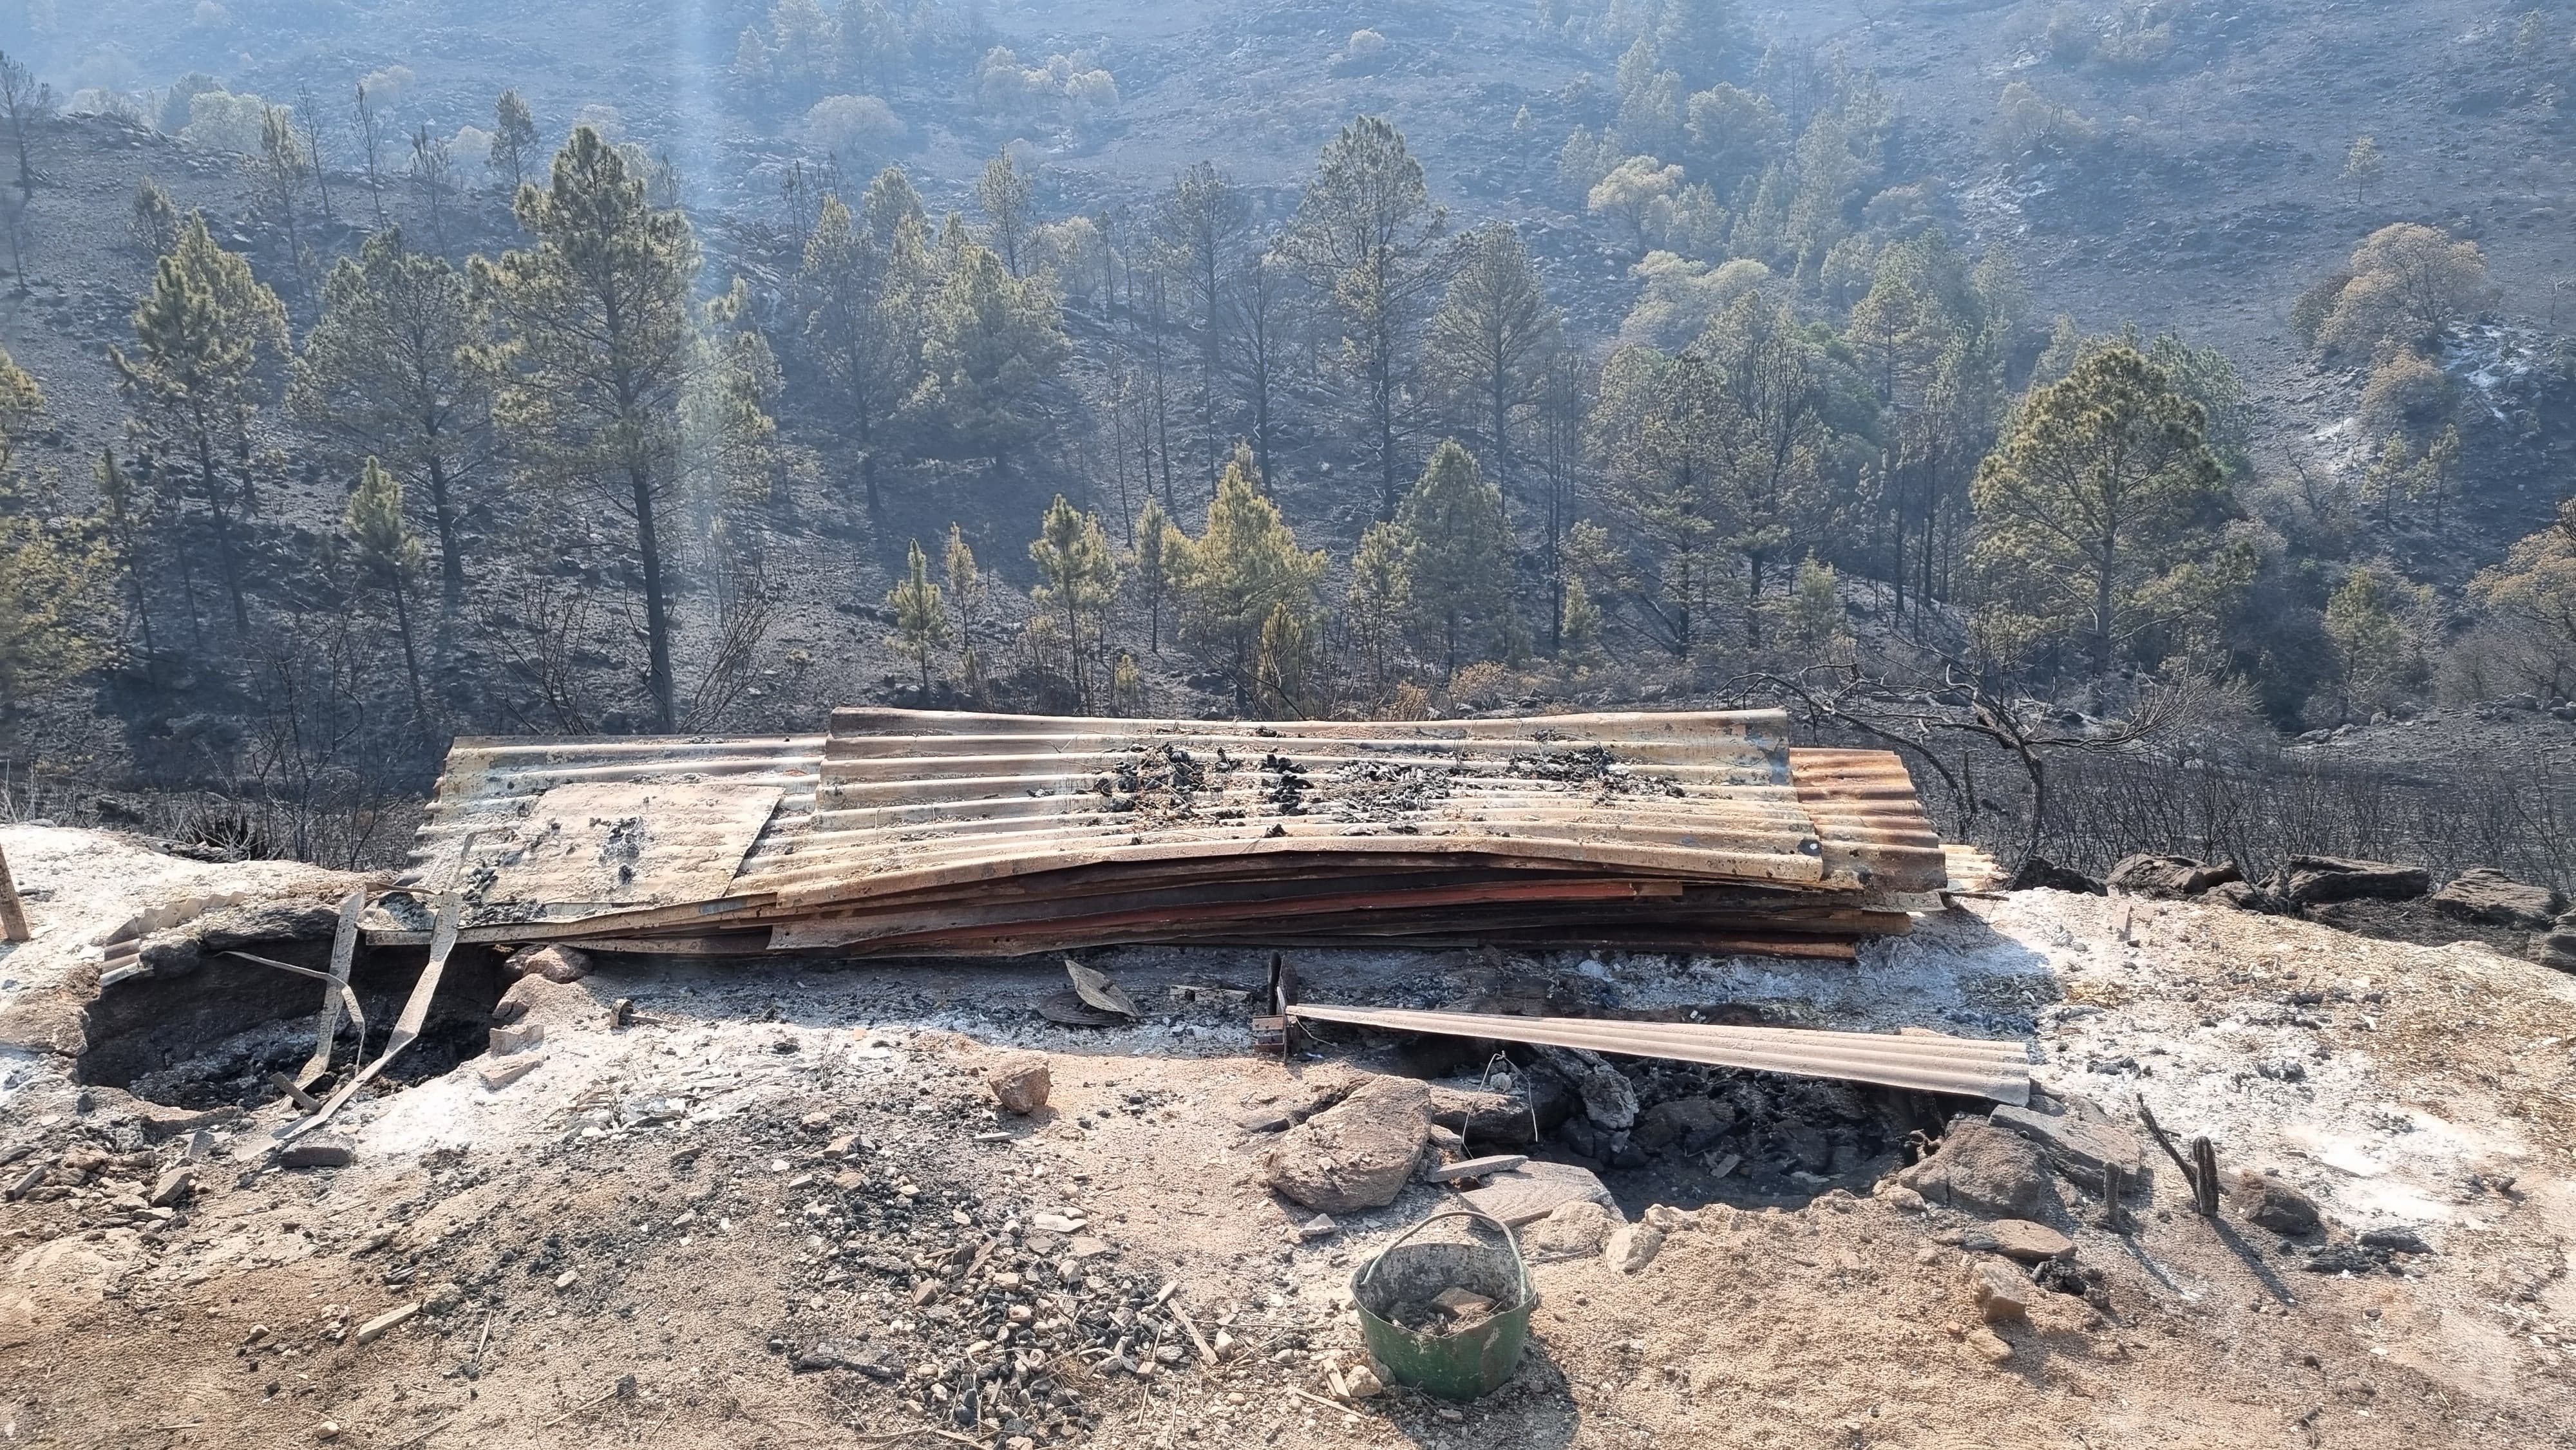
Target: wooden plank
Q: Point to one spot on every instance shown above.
(13, 912)
(415, 1012)
(344, 954)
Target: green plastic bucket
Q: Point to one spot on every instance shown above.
(1473, 1361)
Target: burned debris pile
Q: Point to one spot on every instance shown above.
(913, 833)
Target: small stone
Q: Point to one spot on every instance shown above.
(1321, 1226)
(1989, 1344)
(1463, 1303)
(1633, 1246)
(317, 1153)
(1019, 1082)
(2267, 1202)
(328, 1430)
(816, 1124)
(506, 1040)
(173, 1187)
(2019, 1239)
(501, 1074)
(567, 1279)
(1901, 1198)
(375, 1328)
(1362, 1382)
(2003, 1293)
(2399, 1240)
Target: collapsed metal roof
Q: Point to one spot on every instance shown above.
(960, 833)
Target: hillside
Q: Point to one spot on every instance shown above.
(2172, 169)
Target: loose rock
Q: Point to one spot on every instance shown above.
(554, 963)
(1356, 1155)
(317, 1153)
(1572, 1230)
(2017, 1238)
(2317, 880)
(1989, 1344)
(2003, 1293)
(1609, 1099)
(2483, 894)
(1983, 1169)
(2169, 876)
(173, 1187)
(1632, 1247)
(2267, 1202)
(1019, 1082)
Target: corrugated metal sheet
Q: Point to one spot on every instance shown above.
(1967, 1067)
(493, 790)
(912, 799)
(908, 830)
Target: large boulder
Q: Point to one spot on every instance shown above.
(1983, 1169)
(1357, 1154)
(2558, 949)
(2169, 876)
(2482, 894)
(2317, 880)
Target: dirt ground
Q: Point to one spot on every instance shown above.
(781, 1207)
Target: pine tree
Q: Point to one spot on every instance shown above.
(46, 566)
(514, 139)
(861, 285)
(2378, 652)
(1458, 559)
(1379, 603)
(920, 621)
(1005, 192)
(1280, 669)
(153, 222)
(1366, 232)
(2362, 167)
(1078, 575)
(597, 348)
(1198, 230)
(1245, 565)
(389, 555)
(1159, 547)
(992, 345)
(280, 173)
(2104, 489)
(388, 371)
(203, 338)
(1493, 336)
(124, 509)
(968, 590)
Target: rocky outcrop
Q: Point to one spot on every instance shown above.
(2316, 880)
(2169, 876)
(2483, 894)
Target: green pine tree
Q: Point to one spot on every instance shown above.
(1078, 576)
(389, 555)
(1159, 547)
(920, 621)
(597, 350)
(1458, 560)
(1245, 565)
(205, 336)
(992, 345)
(2103, 493)
(387, 371)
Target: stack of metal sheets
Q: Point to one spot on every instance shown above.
(918, 833)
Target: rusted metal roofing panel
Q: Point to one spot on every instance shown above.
(1924, 1062)
(916, 798)
(864, 839)
(494, 790)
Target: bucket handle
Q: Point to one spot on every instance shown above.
(1520, 1265)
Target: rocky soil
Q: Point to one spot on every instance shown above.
(782, 1203)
